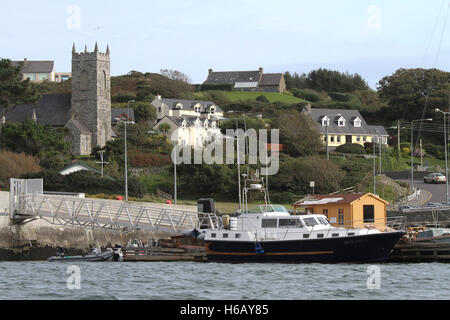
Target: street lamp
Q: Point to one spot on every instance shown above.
(125, 148)
(412, 154)
(445, 146)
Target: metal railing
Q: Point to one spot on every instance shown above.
(108, 214)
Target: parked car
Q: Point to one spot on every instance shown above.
(435, 204)
(405, 207)
(435, 178)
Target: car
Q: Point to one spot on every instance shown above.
(435, 204)
(435, 178)
(405, 207)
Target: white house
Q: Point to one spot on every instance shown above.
(188, 122)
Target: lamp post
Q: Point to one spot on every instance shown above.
(445, 147)
(412, 149)
(125, 149)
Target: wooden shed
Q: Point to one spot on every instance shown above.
(347, 210)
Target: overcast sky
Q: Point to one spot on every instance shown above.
(372, 38)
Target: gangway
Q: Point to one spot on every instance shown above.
(28, 201)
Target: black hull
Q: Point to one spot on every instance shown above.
(357, 249)
(104, 256)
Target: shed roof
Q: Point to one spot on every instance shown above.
(345, 198)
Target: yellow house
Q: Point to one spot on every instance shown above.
(342, 126)
(352, 210)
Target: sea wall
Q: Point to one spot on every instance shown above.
(38, 240)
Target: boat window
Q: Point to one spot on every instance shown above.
(279, 208)
(225, 235)
(255, 210)
(335, 234)
(322, 220)
(320, 235)
(269, 223)
(310, 222)
(351, 233)
(290, 223)
(238, 235)
(213, 235)
(306, 236)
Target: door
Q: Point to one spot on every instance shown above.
(348, 139)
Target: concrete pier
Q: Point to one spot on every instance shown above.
(38, 240)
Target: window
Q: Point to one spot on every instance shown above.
(310, 222)
(341, 122)
(325, 212)
(357, 122)
(269, 223)
(341, 216)
(331, 138)
(335, 235)
(358, 139)
(322, 221)
(43, 76)
(320, 235)
(290, 223)
(305, 236)
(351, 233)
(213, 235)
(369, 213)
(225, 235)
(364, 138)
(159, 109)
(84, 80)
(338, 139)
(104, 81)
(325, 121)
(237, 235)
(31, 76)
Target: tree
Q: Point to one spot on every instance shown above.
(175, 75)
(414, 93)
(144, 111)
(298, 133)
(14, 90)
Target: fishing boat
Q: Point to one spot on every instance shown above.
(94, 255)
(269, 233)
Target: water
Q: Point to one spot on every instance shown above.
(206, 281)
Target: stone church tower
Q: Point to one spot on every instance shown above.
(90, 119)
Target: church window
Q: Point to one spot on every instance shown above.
(104, 81)
(84, 80)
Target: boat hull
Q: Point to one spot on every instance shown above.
(354, 249)
(104, 256)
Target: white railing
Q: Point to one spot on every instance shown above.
(105, 214)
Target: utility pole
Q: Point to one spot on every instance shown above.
(328, 154)
(374, 165)
(379, 140)
(101, 152)
(398, 138)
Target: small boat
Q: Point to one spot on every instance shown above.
(269, 233)
(94, 255)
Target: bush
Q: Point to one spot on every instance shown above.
(434, 150)
(262, 99)
(13, 165)
(342, 97)
(306, 94)
(352, 148)
(86, 182)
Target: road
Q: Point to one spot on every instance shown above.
(429, 192)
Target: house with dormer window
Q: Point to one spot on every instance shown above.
(192, 123)
(343, 126)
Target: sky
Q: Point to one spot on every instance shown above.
(371, 38)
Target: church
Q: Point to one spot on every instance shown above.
(86, 112)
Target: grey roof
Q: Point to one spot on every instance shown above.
(271, 79)
(189, 104)
(52, 109)
(35, 66)
(349, 115)
(231, 77)
(80, 126)
(178, 120)
(122, 113)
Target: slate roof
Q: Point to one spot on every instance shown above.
(52, 109)
(44, 66)
(271, 79)
(188, 104)
(231, 77)
(349, 115)
(80, 126)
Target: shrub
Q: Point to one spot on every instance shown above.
(306, 94)
(352, 148)
(13, 165)
(342, 97)
(262, 99)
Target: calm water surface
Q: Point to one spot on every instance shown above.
(205, 281)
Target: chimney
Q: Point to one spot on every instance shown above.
(261, 70)
(158, 96)
(210, 71)
(25, 61)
